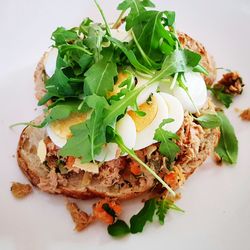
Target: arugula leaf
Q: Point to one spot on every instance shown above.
(227, 148)
(88, 137)
(94, 40)
(58, 85)
(138, 221)
(192, 58)
(167, 146)
(221, 96)
(150, 32)
(163, 206)
(209, 121)
(131, 56)
(62, 36)
(174, 63)
(118, 108)
(100, 77)
(118, 229)
(136, 7)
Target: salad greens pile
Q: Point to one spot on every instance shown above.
(88, 62)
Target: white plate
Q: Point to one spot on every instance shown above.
(216, 200)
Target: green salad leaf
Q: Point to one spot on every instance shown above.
(227, 148)
(136, 7)
(88, 137)
(225, 98)
(167, 146)
(118, 229)
(163, 206)
(209, 121)
(99, 79)
(138, 221)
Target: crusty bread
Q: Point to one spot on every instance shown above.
(187, 41)
(195, 142)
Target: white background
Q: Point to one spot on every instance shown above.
(216, 200)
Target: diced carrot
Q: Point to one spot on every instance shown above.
(70, 161)
(103, 215)
(135, 168)
(170, 179)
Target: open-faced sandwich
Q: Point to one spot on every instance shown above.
(126, 113)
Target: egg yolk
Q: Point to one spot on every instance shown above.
(62, 127)
(150, 109)
(122, 76)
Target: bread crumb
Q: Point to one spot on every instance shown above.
(20, 190)
(231, 83)
(245, 115)
(80, 218)
(237, 110)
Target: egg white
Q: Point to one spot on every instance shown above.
(144, 95)
(121, 35)
(50, 62)
(175, 111)
(56, 139)
(145, 137)
(197, 90)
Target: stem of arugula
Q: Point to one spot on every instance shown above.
(103, 17)
(140, 49)
(117, 23)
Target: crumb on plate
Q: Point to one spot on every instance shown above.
(245, 115)
(80, 218)
(20, 190)
(231, 83)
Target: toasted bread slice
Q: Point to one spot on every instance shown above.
(187, 41)
(114, 178)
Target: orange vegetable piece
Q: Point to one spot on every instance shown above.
(135, 168)
(104, 216)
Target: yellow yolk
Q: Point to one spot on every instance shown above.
(122, 76)
(150, 108)
(62, 127)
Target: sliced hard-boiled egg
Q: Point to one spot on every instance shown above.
(145, 94)
(59, 131)
(145, 137)
(50, 62)
(122, 76)
(121, 35)
(175, 111)
(125, 127)
(197, 90)
(150, 109)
